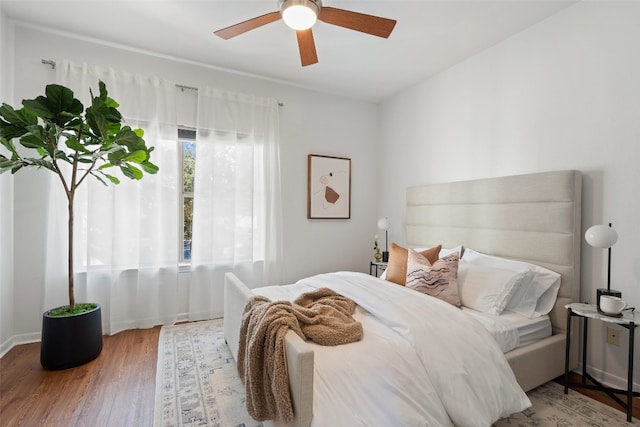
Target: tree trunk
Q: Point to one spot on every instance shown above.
(72, 299)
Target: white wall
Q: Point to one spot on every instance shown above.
(563, 94)
(6, 196)
(310, 123)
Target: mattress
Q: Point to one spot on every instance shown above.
(512, 330)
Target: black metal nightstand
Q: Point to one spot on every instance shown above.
(379, 267)
(627, 320)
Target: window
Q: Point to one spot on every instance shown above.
(187, 145)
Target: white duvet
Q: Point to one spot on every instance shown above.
(421, 362)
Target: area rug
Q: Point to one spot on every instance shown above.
(197, 384)
(551, 407)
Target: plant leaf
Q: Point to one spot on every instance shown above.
(15, 123)
(75, 145)
(41, 163)
(98, 123)
(102, 114)
(129, 139)
(58, 105)
(130, 171)
(33, 141)
(112, 178)
(39, 106)
(59, 154)
(116, 155)
(9, 164)
(19, 117)
(61, 99)
(138, 156)
(149, 168)
(9, 146)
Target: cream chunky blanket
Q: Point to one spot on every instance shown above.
(322, 316)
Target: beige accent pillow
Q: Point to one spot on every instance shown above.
(439, 279)
(397, 267)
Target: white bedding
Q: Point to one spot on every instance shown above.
(512, 330)
(422, 362)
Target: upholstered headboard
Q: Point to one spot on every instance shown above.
(533, 218)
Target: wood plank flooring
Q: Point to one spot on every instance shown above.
(116, 389)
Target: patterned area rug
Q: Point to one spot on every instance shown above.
(551, 407)
(197, 385)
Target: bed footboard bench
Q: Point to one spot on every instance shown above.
(298, 354)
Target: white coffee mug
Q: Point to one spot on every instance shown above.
(611, 305)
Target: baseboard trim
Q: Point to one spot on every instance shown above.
(15, 340)
(606, 378)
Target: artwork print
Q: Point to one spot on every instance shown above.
(329, 187)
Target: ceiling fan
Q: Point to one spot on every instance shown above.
(301, 15)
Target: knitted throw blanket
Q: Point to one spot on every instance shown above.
(322, 316)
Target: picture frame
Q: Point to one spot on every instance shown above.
(328, 187)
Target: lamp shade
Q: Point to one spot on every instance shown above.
(299, 14)
(384, 224)
(601, 236)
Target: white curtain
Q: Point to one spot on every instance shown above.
(237, 202)
(6, 255)
(126, 235)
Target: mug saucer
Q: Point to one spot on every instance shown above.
(611, 314)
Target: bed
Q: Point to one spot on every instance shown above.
(533, 218)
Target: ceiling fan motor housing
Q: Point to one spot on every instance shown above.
(314, 5)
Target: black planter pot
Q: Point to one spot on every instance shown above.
(70, 341)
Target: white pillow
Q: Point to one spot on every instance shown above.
(444, 252)
(531, 298)
(488, 289)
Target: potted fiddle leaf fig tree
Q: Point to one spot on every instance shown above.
(75, 144)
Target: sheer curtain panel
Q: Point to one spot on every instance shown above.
(237, 202)
(126, 235)
(6, 257)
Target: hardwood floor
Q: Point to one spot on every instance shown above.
(116, 389)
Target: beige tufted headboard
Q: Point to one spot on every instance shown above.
(533, 218)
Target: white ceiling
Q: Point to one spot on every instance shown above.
(431, 35)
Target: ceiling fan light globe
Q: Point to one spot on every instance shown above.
(299, 14)
(299, 17)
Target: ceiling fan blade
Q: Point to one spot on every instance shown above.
(248, 25)
(369, 24)
(307, 47)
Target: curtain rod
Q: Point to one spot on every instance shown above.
(52, 63)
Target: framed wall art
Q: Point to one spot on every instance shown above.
(329, 187)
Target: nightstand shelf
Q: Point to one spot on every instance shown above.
(628, 321)
(378, 266)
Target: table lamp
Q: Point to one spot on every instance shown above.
(601, 236)
(384, 224)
